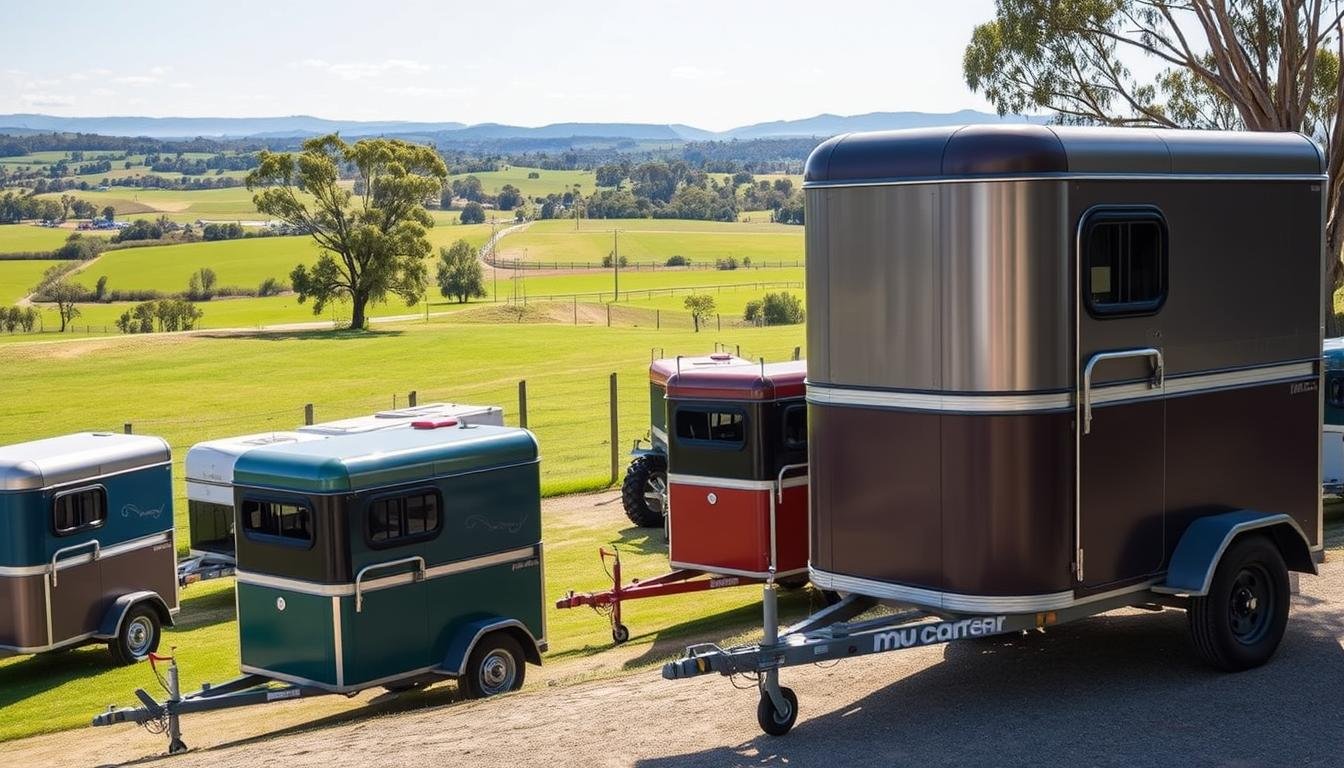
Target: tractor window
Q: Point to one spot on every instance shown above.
(79, 510)
(407, 517)
(290, 523)
(723, 428)
(795, 427)
(1124, 254)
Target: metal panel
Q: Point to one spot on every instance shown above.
(73, 458)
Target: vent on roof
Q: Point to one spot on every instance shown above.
(434, 423)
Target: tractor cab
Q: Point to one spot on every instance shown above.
(737, 459)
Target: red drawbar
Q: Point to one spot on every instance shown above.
(732, 533)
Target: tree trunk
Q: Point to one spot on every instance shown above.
(358, 301)
(696, 320)
(1334, 276)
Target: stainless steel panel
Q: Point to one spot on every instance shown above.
(817, 249)
(882, 329)
(71, 458)
(1005, 291)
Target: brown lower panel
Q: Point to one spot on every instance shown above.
(23, 611)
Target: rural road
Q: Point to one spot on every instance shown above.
(1119, 690)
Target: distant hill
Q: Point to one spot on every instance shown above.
(298, 126)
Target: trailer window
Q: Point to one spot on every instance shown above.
(725, 428)
(407, 517)
(79, 510)
(289, 522)
(1124, 254)
(795, 426)
(1334, 389)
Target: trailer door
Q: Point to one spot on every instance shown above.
(1120, 429)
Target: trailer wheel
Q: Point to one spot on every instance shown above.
(644, 491)
(496, 666)
(620, 633)
(138, 636)
(771, 720)
(1239, 624)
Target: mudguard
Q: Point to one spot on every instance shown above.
(1204, 541)
(455, 660)
(111, 623)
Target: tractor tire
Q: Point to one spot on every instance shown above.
(1239, 624)
(644, 491)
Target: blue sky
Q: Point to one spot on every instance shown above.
(710, 64)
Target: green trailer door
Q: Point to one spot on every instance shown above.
(384, 626)
(287, 634)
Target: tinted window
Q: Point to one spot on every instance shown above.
(79, 510)
(795, 426)
(1334, 389)
(1125, 257)
(403, 518)
(726, 427)
(272, 518)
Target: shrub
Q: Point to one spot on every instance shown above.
(782, 309)
(473, 213)
(139, 230)
(271, 287)
(606, 261)
(533, 175)
(746, 261)
(728, 263)
(752, 313)
(678, 261)
(80, 248)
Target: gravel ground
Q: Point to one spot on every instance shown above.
(1124, 689)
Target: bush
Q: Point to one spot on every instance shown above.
(139, 230)
(80, 248)
(781, 309)
(728, 263)
(473, 213)
(746, 262)
(533, 175)
(678, 261)
(170, 314)
(752, 313)
(272, 287)
(606, 261)
(213, 232)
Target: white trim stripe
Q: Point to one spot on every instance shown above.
(18, 651)
(952, 601)
(734, 484)
(1066, 176)
(718, 571)
(348, 589)
(1173, 386)
(338, 649)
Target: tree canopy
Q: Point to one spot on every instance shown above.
(374, 243)
(460, 275)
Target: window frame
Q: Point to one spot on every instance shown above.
(401, 541)
(275, 538)
(709, 408)
(99, 523)
(1329, 376)
(1118, 214)
(792, 445)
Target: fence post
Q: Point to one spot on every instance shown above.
(718, 319)
(608, 315)
(412, 397)
(658, 319)
(126, 427)
(576, 310)
(308, 414)
(739, 350)
(522, 403)
(615, 433)
(797, 353)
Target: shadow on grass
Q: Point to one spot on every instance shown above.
(315, 334)
(26, 677)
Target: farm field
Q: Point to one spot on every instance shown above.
(728, 302)
(16, 238)
(548, 182)
(17, 278)
(243, 262)
(191, 388)
(652, 241)
(633, 283)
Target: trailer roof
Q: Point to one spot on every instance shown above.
(67, 459)
(661, 370)
(1015, 151)
(744, 381)
(383, 458)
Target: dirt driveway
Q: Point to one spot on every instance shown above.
(1120, 690)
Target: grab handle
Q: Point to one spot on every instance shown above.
(1154, 381)
(779, 479)
(97, 553)
(359, 577)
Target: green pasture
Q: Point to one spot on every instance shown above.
(243, 262)
(16, 238)
(728, 302)
(635, 285)
(17, 278)
(548, 182)
(192, 388)
(652, 241)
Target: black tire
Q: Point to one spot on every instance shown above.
(644, 490)
(1240, 623)
(137, 637)
(771, 720)
(496, 666)
(620, 633)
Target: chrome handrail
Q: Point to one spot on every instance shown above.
(359, 577)
(1154, 381)
(97, 553)
(779, 479)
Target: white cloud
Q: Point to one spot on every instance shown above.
(365, 70)
(428, 92)
(136, 79)
(104, 92)
(46, 100)
(692, 72)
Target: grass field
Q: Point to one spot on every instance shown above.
(652, 241)
(548, 182)
(17, 278)
(634, 283)
(188, 389)
(244, 262)
(16, 238)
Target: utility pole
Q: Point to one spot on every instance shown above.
(494, 263)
